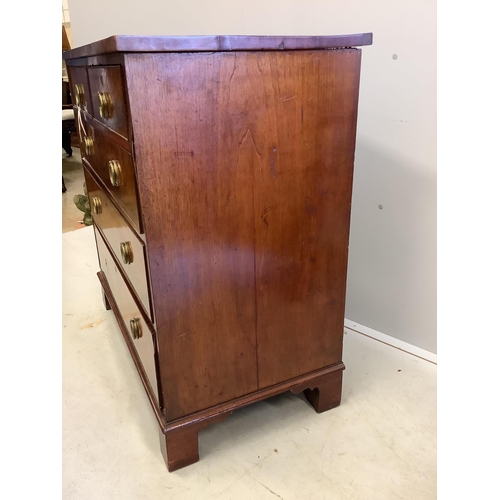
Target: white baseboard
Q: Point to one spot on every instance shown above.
(392, 341)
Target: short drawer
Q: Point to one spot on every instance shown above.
(80, 90)
(108, 97)
(115, 168)
(129, 250)
(135, 323)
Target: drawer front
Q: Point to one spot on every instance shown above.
(80, 90)
(86, 136)
(134, 321)
(128, 249)
(108, 97)
(115, 168)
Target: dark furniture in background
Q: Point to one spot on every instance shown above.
(66, 95)
(219, 171)
(68, 125)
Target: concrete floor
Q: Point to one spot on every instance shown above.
(380, 443)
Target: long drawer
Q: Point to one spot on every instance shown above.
(115, 168)
(135, 323)
(129, 250)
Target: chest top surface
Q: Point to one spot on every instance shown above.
(215, 43)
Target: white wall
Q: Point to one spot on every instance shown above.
(392, 267)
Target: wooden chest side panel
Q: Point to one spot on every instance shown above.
(302, 202)
(195, 167)
(244, 165)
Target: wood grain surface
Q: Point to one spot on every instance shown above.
(127, 309)
(125, 194)
(78, 75)
(196, 190)
(124, 43)
(303, 124)
(109, 79)
(116, 231)
(245, 187)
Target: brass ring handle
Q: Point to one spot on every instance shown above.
(126, 251)
(135, 328)
(105, 105)
(79, 94)
(89, 145)
(97, 205)
(115, 173)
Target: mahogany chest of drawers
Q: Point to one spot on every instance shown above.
(219, 171)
